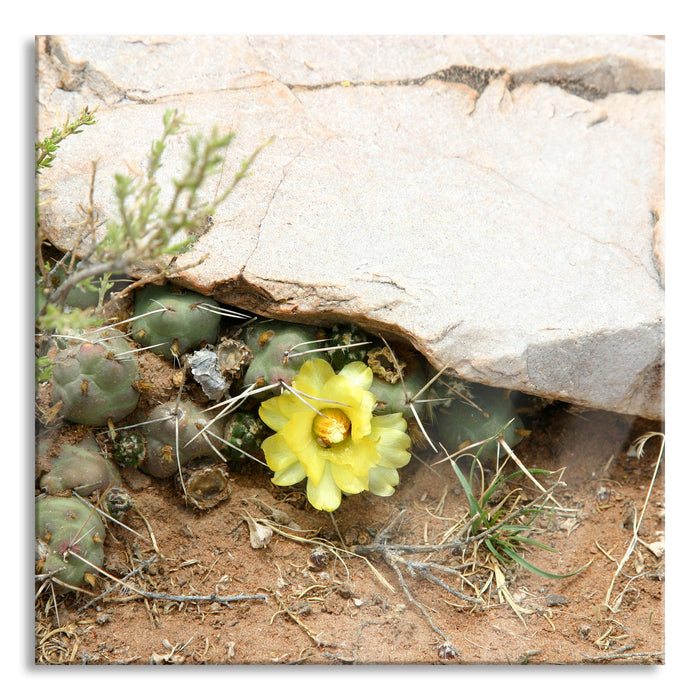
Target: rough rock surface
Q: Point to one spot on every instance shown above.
(497, 201)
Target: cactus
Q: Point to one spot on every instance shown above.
(63, 526)
(129, 448)
(245, 431)
(117, 502)
(167, 437)
(346, 335)
(184, 322)
(79, 297)
(459, 423)
(394, 395)
(273, 344)
(82, 468)
(93, 380)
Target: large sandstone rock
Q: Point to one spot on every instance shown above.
(497, 201)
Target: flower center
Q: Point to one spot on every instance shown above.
(331, 427)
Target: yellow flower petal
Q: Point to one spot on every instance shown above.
(391, 440)
(298, 430)
(382, 481)
(326, 495)
(393, 449)
(313, 458)
(395, 421)
(277, 453)
(271, 414)
(359, 456)
(346, 480)
(290, 475)
(359, 374)
(312, 377)
(344, 392)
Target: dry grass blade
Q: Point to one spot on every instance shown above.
(131, 574)
(53, 649)
(504, 594)
(639, 444)
(407, 592)
(284, 609)
(525, 470)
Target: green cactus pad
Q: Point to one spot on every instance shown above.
(272, 343)
(82, 468)
(65, 525)
(460, 424)
(93, 380)
(182, 324)
(346, 335)
(129, 448)
(394, 395)
(246, 431)
(169, 429)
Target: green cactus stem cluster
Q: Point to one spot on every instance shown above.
(490, 413)
(129, 448)
(398, 377)
(68, 531)
(244, 432)
(349, 344)
(172, 321)
(93, 381)
(275, 346)
(173, 432)
(81, 468)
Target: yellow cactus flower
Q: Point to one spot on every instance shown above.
(326, 433)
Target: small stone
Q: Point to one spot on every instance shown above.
(318, 558)
(447, 652)
(554, 600)
(204, 365)
(658, 549)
